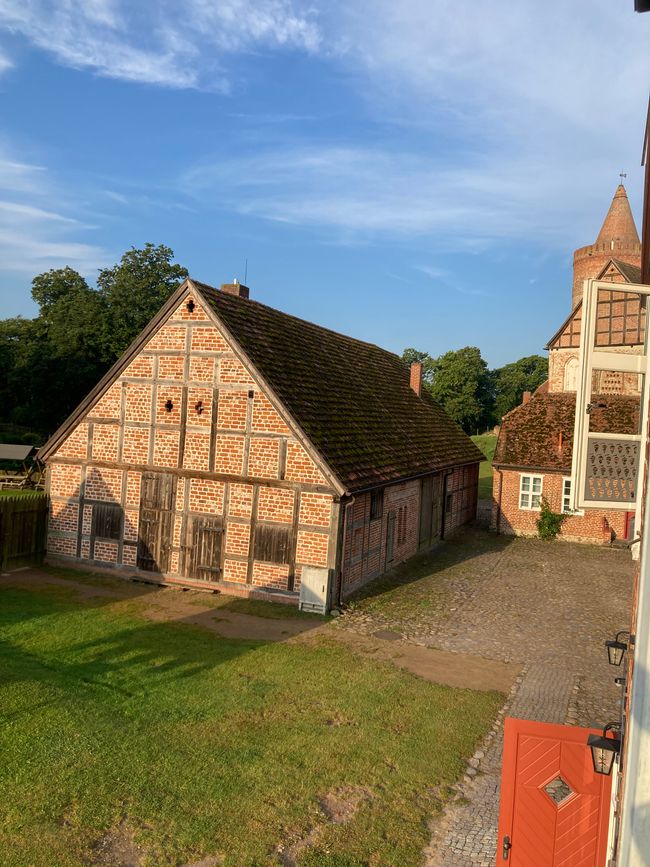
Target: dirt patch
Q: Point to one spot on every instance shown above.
(340, 805)
(245, 627)
(116, 848)
(388, 635)
(213, 861)
(34, 578)
(166, 604)
(459, 670)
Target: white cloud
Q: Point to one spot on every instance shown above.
(178, 43)
(500, 121)
(37, 231)
(5, 62)
(369, 191)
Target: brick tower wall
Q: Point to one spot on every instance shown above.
(589, 261)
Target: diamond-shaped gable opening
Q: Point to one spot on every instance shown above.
(558, 790)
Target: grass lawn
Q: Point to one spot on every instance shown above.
(19, 492)
(205, 747)
(487, 444)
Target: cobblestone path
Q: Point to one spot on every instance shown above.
(547, 605)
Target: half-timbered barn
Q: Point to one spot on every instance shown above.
(533, 456)
(241, 449)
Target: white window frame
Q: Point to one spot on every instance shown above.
(567, 508)
(595, 358)
(530, 493)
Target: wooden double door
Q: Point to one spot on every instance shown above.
(202, 549)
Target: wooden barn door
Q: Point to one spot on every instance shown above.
(203, 551)
(554, 807)
(430, 511)
(157, 503)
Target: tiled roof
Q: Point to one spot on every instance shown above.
(351, 399)
(530, 434)
(632, 273)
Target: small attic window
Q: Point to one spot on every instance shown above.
(190, 306)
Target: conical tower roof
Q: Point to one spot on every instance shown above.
(619, 223)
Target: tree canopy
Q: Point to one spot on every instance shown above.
(475, 397)
(49, 363)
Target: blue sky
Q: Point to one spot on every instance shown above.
(413, 173)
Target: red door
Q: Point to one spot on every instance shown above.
(554, 808)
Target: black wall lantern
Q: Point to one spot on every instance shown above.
(169, 406)
(604, 749)
(616, 648)
(198, 406)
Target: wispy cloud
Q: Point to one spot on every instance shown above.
(444, 278)
(460, 205)
(509, 121)
(179, 43)
(37, 228)
(5, 62)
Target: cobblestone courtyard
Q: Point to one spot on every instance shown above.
(548, 606)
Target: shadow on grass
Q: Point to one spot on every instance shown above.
(113, 662)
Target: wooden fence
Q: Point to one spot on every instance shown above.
(23, 528)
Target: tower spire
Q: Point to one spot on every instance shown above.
(619, 223)
(617, 239)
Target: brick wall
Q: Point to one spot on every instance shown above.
(595, 525)
(461, 497)
(188, 405)
(365, 548)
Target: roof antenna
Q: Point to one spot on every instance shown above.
(621, 176)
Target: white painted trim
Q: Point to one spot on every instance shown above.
(634, 840)
(577, 513)
(531, 476)
(594, 358)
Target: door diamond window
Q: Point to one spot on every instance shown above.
(558, 790)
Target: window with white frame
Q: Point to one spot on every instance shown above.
(530, 492)
(566, 498)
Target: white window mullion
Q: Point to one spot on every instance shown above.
(530, 492)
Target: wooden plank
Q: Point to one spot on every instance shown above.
(157, 504)
(23, 527)
(272, 543)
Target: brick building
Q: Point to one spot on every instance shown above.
(534, 450)
(235, 447)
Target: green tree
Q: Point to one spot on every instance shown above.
(512, 380)
(133, 291)
(411, 355)
(460, 382)
(49, 363)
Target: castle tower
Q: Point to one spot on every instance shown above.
(617, 239)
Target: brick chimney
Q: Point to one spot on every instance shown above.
(235, 288)
(416, 377)
(526, 396)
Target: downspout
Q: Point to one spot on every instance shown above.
(498, 520)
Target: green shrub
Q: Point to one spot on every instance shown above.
(549, 522)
